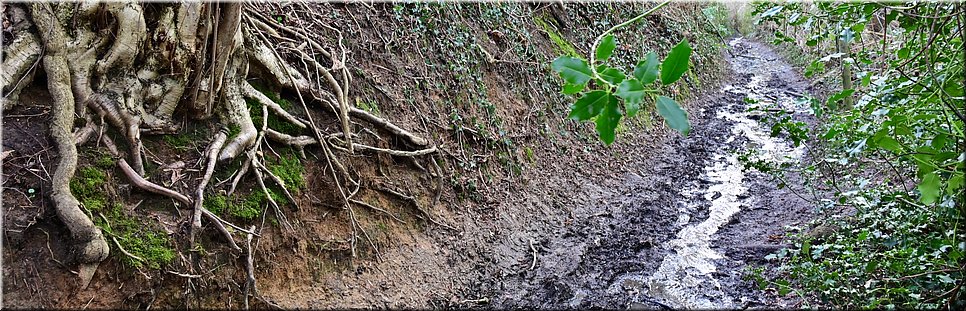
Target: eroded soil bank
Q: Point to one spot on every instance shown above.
(683, 226)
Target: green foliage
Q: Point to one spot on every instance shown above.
(632, 91)
(611, 87)
(906, 120)
(573, 70)
(606, 48)
(718, 18)
(676, 117)
(646, 70)
(889, 255)
(676, 63)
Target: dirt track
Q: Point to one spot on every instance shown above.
(681, 232)
(576, 234)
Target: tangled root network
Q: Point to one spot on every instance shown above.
(109, 68)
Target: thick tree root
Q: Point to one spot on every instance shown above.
(92, 246)
(199, 63)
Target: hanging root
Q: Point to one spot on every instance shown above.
(92, 248)
(249, 91)
(237, 115)
(199, 209)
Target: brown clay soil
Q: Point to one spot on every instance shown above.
(568, 223)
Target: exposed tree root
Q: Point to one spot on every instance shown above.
(139, 181)
(198, 62)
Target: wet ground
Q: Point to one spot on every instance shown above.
(683, 231)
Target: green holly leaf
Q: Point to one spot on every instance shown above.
(675, 117)
(633, 93)
(646, 70)
(676, 63)
(571, 89)
(611, 75)
(954, 183)
(606, 48)
(573, 70)
(929, 188)
(608, 119)
(589, 105)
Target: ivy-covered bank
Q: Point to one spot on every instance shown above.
(887, 164)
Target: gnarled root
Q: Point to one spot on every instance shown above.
(92, 248)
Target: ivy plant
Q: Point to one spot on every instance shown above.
(892, 143)
(606, 94)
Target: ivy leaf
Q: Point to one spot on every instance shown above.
(676, 63)
(902, 53)
(646, 71)
(573, 70)
(633, 93)
(889, 143)
(954, 183)
(675, 117)
(929, 188)
(606, 48)
(839, 96)
(611, 75)
(589, 105)
(571, 89)
(608, 120)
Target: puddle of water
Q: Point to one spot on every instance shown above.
(684, 279)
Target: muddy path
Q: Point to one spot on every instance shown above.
(681, 231)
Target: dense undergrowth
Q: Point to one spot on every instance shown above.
(886, 158)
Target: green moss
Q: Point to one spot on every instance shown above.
(562, 44)
(371, 107)
(254, 203)
(87, 187)
(289, 169)
(274, 121)
(153, 246)
(233, 130)
(182, 141)
(136, 238)
(105, 160)
(216, 203)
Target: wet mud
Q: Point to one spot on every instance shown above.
(684, 231)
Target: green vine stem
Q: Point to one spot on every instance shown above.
(593, 48)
